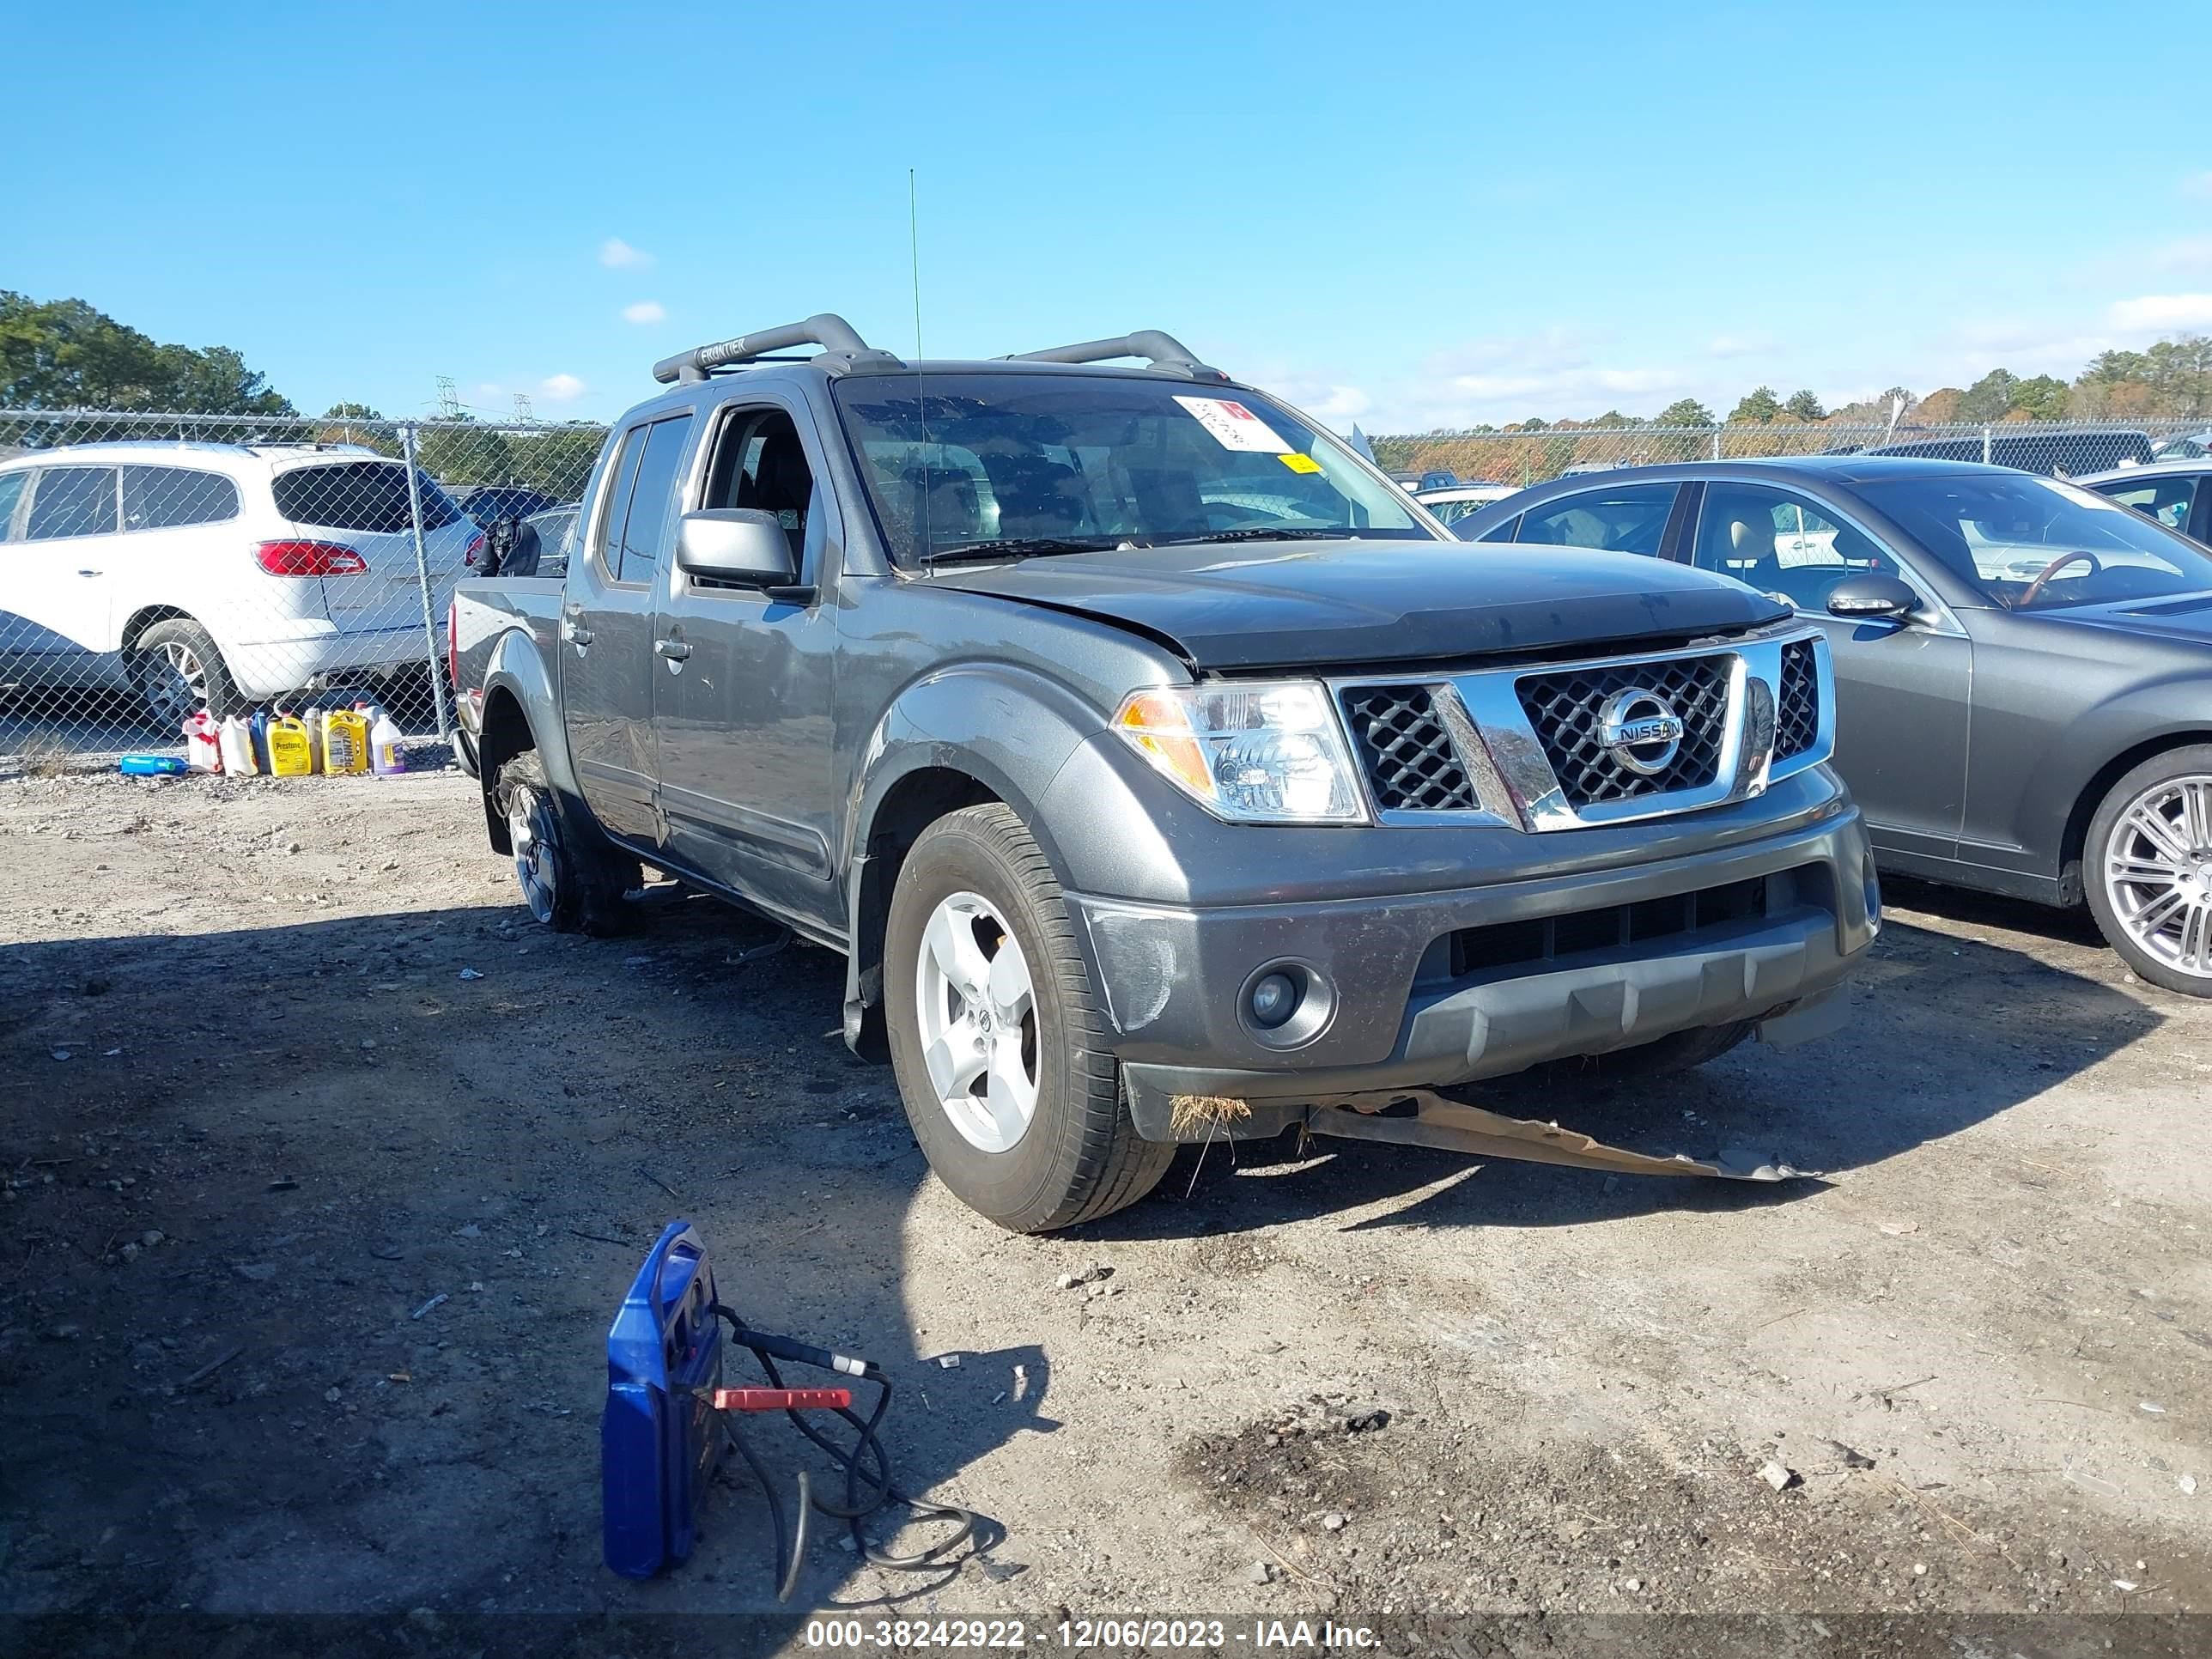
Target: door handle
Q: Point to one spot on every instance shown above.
(674, 650)
(573, 634)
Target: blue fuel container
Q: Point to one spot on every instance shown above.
(659, 1437)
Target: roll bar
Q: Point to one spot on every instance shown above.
(1163, 352)
(836, 338)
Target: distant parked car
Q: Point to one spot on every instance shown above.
(214, 576)
(1408, 482)
(2178, 493)
(488, 503)
(2057, 454)
(1453, 503)
(1438, 478)
(2184, 447)
(2023, 669)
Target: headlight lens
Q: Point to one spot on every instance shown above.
(1251, 753)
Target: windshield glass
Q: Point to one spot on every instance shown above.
(967, 462)
(2034, 544)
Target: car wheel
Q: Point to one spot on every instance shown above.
(996, 1037)
(2147, 868)
(177, 672)
(571, 879)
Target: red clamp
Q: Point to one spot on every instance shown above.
(780, 1400)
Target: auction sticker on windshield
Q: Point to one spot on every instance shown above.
(1234, 426)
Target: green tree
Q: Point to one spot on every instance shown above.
(1805, 406)
(66, 354)
(1757, 407)
(1683, 412)
(2042, 398)
(1614, 417)
(1990, 397)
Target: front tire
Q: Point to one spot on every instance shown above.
(2146, 870)
(571, 879)
(996, 1037)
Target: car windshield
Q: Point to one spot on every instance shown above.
(2035, 544)
(982, 465)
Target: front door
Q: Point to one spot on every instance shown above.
(607, 662)
(1902, 714)
(55, 586)
(742, 696)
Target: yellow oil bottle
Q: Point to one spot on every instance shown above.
(345, 743)
(291, 751)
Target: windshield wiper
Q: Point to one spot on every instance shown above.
(1292, 533)
(1020, 547)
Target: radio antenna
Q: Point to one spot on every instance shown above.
(920, 399)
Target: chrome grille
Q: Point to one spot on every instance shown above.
(1797, 708)
(1408, 754)
(1563, 710)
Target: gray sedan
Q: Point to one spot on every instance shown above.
(2023, 667)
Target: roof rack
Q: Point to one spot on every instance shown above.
(1163, 352)
(838, 338)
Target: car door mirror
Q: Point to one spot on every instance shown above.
(1873, 598)
(739, 544)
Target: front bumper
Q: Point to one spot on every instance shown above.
(1411, 1004)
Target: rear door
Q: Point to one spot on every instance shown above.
(56, 606)
(607, 628)
(362, 503)
(742, 703)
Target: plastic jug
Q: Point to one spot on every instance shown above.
(385, 757)
(236, 743)
(257, 726)
(151, 766)
(291, 751)
(202, 743)
(345, 743)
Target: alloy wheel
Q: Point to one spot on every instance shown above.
(174, 681)
(2158, 873)
(977, 1006)
(535, 837)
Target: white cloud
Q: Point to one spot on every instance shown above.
(2190, 253)
(560, 388)
(617, 255)
(1739, 345)
(2198, 185)
(645, 311)
(2156, 312)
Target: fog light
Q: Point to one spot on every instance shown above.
(1274, 1000)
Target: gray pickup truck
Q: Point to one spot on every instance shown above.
(1161, 770)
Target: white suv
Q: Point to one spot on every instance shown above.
(214, 575)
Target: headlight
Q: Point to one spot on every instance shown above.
(1250, 753)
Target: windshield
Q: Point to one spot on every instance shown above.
(982, 464)
(2034, 544)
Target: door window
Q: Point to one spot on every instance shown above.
(2167, 500)
(621, 478)
(1779, 542)
(759, 462)
(11, 497)
(1626, 519)
(72, 500)
(645, 524)
(160, 497)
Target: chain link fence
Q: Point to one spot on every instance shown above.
(153, 565)
(1524, 458)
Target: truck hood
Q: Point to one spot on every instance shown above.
(1296, 605)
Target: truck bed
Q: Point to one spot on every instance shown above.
(484, 612)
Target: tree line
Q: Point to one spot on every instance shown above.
(2169, 381)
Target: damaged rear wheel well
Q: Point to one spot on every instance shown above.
(914, 803)
(506, 733)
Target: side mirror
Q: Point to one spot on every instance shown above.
(740, 544)
(1873, 598)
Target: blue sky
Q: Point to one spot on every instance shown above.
(1403, 215)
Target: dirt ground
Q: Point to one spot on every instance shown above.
(280, 1063)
